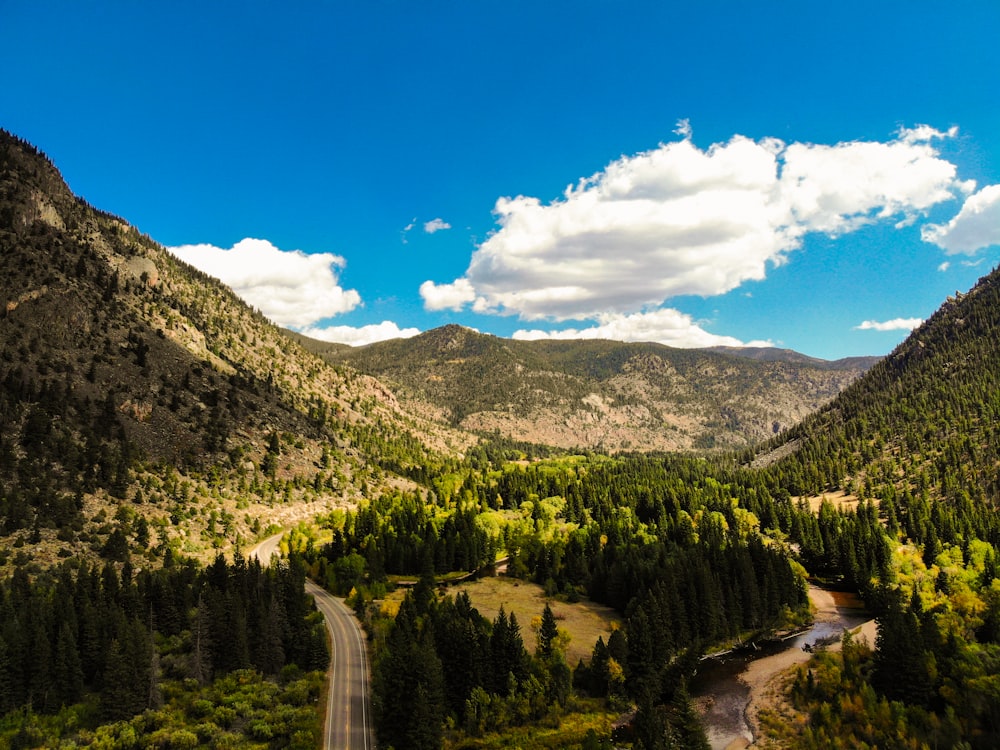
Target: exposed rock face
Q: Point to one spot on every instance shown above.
(601, 394)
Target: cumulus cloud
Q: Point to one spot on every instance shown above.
(447, 296)
(664, 326)
(944, 266)
(680, 220)
(290, 287)
(897, 324)
(976, 226)
(361, 335)
(436, 225)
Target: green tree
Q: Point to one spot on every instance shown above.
(67, 672)
(547, 633)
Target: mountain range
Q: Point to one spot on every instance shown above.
(600, 395)
(121, 365)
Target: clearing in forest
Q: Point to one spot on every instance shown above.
(584, 621)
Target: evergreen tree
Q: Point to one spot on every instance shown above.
(903, 670)
(408, 684)
(547, 633)
(684, 720)
(67, 672)
(121, 698)
(6, 689)
(201, 644)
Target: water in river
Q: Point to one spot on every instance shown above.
(722, 694)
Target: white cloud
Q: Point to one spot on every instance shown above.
(944, 266)
(361, 335)
(436, 225)
(835, 189)
(291, 288)
(664, 326)
(976, 226)
(404, 233)
(897, 324)
(447, 296)
(922, 133)
(681, 220)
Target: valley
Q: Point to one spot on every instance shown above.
(653, 505)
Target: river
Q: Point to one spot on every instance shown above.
(724, 687)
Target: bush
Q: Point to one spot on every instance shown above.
(182, 739)
(224, 716)
(206, 732)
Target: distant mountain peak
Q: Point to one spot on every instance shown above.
(597, 393)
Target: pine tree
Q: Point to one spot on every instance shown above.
(408, 684)
(547, 633)
(902, 669)
(121, 698)
(6, 689)
(270, 657)
(424, 727)
(684, 720)
(67, 672)
(201, 644)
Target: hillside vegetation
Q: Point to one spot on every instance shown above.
(601, 395)
(916, 439)
(925, 418)
(135, 386)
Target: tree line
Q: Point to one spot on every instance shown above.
(114, 636)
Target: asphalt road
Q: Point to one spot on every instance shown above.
(348, 713)
(266, 549)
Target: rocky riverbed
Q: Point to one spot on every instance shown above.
(730, 691)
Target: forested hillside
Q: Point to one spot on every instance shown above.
(925, 418)
(129, 380)
(150, 420)
(916, 439)
(601, 395)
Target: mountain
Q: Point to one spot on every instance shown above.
(774, 354)
(134, 386)
(929, 412)
(600, 394)
(131, 380)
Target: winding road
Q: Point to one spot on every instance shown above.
(348, 712)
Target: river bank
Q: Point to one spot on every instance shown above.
(730, 694)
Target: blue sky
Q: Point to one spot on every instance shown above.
(799, 174)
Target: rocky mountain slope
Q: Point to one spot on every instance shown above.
(126, 375)
(601, 394)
